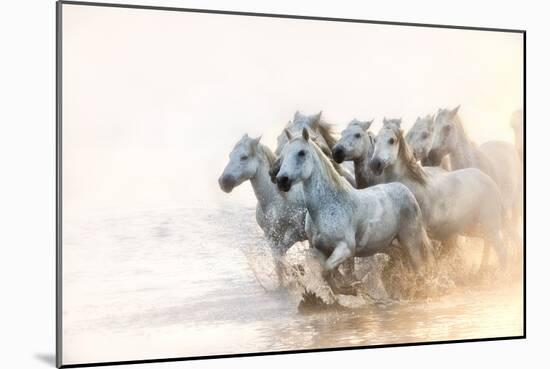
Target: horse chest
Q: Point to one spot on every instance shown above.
(327, 228)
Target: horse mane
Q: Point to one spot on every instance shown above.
(457, 121)
(329, 166)
(328, 132)
(413, 169)
(267, 153)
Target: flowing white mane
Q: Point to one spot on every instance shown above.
(332, 174)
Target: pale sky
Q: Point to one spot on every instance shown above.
(154, 101)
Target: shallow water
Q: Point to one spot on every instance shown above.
(195, 282)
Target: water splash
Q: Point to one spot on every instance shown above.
(382, 278)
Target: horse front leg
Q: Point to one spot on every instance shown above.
(493, 240)
(281, 268)
(343, 253)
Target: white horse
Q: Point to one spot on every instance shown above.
(281, 216)
(498, 159)
(357, 144)
(463, 202)
(323, 135)
(420, 138)
(343, 222)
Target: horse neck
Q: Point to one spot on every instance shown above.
(264, 189)
(363, 174)
(399, 172)
(464, 153)
(320, 192)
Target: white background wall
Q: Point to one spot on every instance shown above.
(27, 188)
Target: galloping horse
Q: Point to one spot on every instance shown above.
(343, 222)
(357, 144)
(280, 215)
(465, 202)
(498, 159)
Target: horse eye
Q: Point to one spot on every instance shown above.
(357, 135)
(447, 128)
(424, 135)
(301, 153)
(244, 157)
(391, 141)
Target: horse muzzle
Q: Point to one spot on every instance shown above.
(227, 183)
(434, 158)
(338, 154)
(284, 183)
(376, 166)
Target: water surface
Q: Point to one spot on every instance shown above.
(195, 282)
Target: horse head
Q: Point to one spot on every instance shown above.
(355, 142)
(243, 163)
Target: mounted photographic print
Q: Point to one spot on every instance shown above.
(235, 184)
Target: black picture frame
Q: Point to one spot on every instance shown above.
(59, 171)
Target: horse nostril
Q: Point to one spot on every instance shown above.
(282, 180)
(226, 182)
(338, 154)
(284, 183)
(433, 158)
(376, 166)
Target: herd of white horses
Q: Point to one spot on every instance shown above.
(362, 193)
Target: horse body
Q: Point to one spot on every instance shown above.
(497, 159)
(356, 145)
(343, 222)
(463, 202)
(281, 216)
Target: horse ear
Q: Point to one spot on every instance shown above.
(256, 141)
(297, 115)
(431, 121)
(317, 117)
(385, 121)
(455, 110)
(366, 124)
(305, 134)
(417, 119)
(288, 134)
